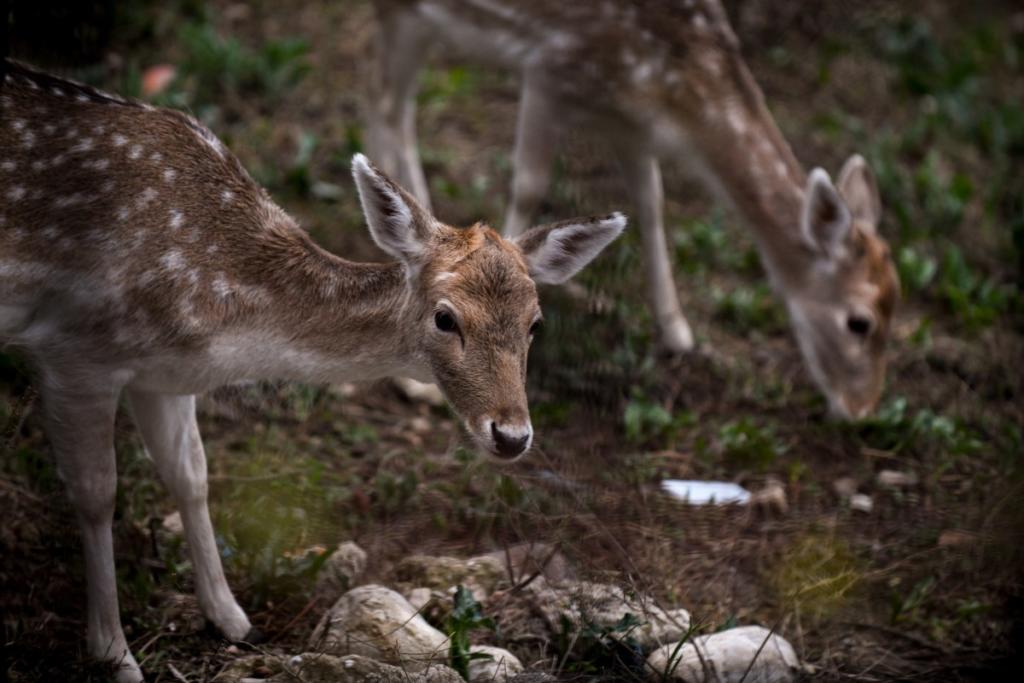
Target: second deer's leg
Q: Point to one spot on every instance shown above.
(80, 426)
(169, 430)
(643, 181)
(537, 136)
(401, 47)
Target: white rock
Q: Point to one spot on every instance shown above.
(501, 666)
(894, 479)
(771, 498)
(341, 571)
(377, 622)
(604, 605)
(315, 667)
(861, 502)
(845, 487)
(419, 597)
(725, 658)
(480, 575)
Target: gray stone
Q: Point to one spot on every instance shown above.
(340, 572)
(314, 667)
(378, 623)
(725, 657)
(604, 605)
(501, 666)
(480, 575)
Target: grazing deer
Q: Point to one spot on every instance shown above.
(664, 78)
(138, 256)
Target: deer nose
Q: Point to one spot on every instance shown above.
(510, 440)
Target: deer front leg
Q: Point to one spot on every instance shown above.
(80, 425)
(401, 47)
(643, 181)
(169, 430)
(537, 137)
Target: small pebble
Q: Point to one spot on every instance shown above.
(894, 479)
(861, 502)
(845, 487)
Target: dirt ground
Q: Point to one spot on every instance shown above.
(926, 585)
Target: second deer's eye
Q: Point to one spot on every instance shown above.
(445, 322)
(859, 325)
(535, 327)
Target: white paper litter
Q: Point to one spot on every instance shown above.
(706, 492)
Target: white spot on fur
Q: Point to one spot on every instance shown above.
(16, 193)
(135, 152)
(169, 175)
(49, 129)
(148, 195)
(9, 165)
(227, 196)
(119, 140)
(442, 277)
(176, 219)
(123, 213)
(735, 117)
(84, 145)
(173, 260)
(50, 233)
(220, 286)
(99, 129)
(81, 97)
(57, 91)
(156, 156)
(28, 140)
(18, 125)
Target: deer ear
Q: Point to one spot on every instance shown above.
(826, 219)
(860, 191)
(398, 224)
(556, 252)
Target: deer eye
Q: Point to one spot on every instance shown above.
(445, 322)
(535, 327)
(859, 325)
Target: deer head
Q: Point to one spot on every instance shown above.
(842, 310)
(471, 306)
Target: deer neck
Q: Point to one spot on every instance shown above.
(324, 319)
(749, 162)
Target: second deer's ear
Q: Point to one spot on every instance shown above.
(860, 191)
(825, 222)
(556, 252)
(397, 223)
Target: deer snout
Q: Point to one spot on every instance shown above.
(510, 439)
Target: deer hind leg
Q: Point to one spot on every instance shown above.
(643, 181)
(169, 430)
(80, 425)
(401, 47)
(537, 137)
